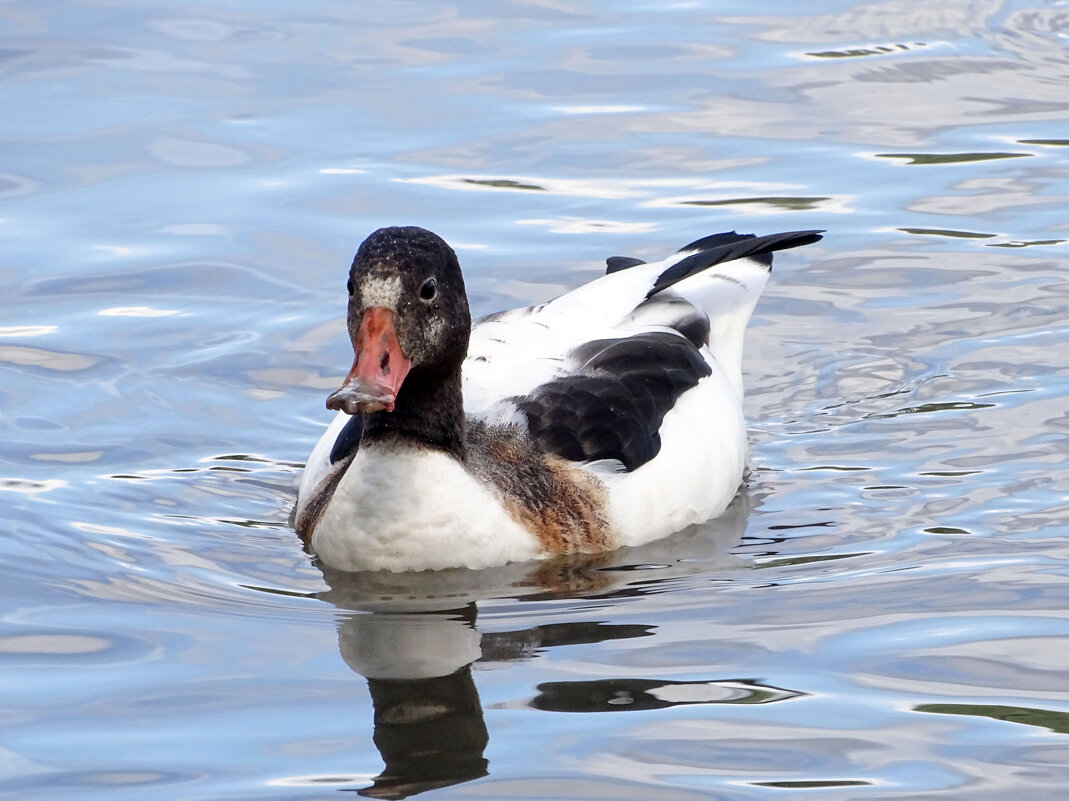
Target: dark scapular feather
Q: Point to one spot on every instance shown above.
(613, 407)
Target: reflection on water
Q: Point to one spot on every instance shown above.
(419, 636)
(1044, 718)
(430, 732)
(429, 724)
(617, 695)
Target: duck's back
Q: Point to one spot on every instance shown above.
(636, 379)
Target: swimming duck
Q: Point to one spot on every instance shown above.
(609, 416)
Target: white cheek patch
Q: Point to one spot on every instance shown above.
(381, 291)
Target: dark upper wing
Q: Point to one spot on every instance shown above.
(613, 407)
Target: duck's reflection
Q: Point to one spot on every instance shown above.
(414, 637)
(430, 732)
(429, 725)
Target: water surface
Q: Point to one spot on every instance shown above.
(882, 613)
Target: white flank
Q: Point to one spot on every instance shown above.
(696, 473)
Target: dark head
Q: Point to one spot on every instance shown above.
(408, 314)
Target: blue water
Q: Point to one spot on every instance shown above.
(883, 612)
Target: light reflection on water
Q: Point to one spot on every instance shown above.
(881, 615)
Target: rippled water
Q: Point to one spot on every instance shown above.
(883, 612)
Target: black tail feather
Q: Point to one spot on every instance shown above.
(614, 264)
(728, 247)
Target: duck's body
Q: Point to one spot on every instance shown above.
(610, 416)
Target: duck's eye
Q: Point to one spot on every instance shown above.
(349, 286)
(429, 289)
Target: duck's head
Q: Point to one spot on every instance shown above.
(408, 314)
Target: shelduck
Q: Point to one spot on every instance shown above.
(609, 416)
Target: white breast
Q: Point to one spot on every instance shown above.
(399, 507)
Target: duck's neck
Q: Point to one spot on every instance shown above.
(429, 411)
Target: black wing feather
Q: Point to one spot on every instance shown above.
(613, 408)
